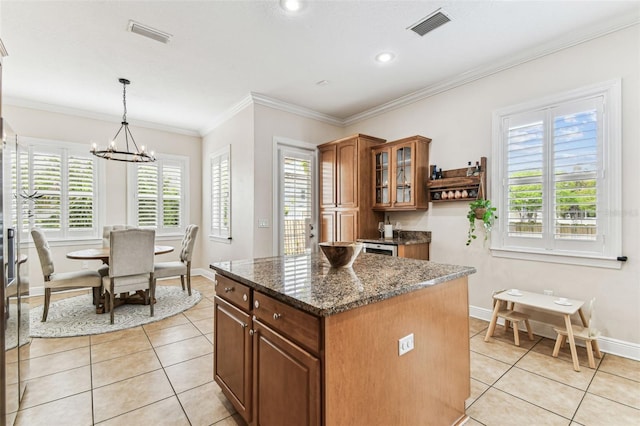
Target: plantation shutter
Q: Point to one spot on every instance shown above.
(297, 203)
(171, 198)
(553, 157)
(47, 180)
(147, 195)
(221, 194)
(81, 192)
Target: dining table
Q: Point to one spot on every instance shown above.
(563, 306)
(102, 254)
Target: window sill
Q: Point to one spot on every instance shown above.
(223, 240)
(597, 262)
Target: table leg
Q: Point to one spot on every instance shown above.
(494, 320)
(572, 342)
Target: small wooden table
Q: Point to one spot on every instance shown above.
(547, 303)
(103, 254)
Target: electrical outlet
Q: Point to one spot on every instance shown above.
(85, 264)
(548, 292)
(263, 223)
(405, 344)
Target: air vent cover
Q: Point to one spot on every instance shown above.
(147, 31)
(430, 23)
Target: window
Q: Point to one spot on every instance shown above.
(59, 182)
(297, 199)
(221, 194)
(558, 178)
(160, 194)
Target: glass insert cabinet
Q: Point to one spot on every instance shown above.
(400, 174)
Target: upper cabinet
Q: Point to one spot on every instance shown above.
(345, 200)
(400, 174)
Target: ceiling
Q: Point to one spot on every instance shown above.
(68, 55)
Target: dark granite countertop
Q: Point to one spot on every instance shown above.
(307, 282)
(402, 238)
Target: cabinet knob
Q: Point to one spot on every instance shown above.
(228, 289)
(215, 282)
(244, 297)
(251, 332)
(243, 325)
(256, 304)
(276, 316)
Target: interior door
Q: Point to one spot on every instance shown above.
(297, 200)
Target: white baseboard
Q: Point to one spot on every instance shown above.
(205, 272)
(607, 344)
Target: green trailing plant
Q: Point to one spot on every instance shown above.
(480, 210)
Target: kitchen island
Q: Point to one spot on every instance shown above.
(298, 342)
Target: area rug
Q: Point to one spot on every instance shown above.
(76, 316)
(11, 332)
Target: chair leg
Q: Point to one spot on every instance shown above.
(152, 291)
(516, 332)
(112, 301)
(596, 349)
(592, 362)
(189, 278)
(526, 323)
(182, 281)
(47, 299)
(558, 345)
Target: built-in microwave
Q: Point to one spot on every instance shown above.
(381, 248)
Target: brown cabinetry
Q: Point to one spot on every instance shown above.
(345, 201)
(266, 356)
(400, 171)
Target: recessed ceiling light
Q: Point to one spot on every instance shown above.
(322, 82)
(385, 57)
(291, 5)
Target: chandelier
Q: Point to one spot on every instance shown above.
(111, 152)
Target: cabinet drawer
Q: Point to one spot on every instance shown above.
(299, 326)
(233, 292)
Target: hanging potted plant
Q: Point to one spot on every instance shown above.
(480, 210)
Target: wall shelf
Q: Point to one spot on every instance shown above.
(456, 180)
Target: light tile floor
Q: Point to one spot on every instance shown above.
(162, 374)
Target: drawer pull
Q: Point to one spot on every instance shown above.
(276, 316)
(228, 289)
(215, 282)
(244, 297)
(256, 304)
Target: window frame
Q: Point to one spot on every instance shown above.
(609, 181)
(66, 150)
(216, 233)
(132, 211)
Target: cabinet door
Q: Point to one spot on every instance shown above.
(232, 355)
(286, 381)
(404, 177)
(347, 174)
(328, 176)
(347, 229)
(382, 178)
(327, 226)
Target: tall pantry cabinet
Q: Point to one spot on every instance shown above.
(345, 195)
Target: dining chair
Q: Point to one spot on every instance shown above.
(61, 280)
(131, 254)
(513, 318)
(589, 334)
(180, 267)
(103, 270)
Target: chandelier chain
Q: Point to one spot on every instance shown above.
(124, 101)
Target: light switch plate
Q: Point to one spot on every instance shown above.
(263, 223)
(405, 344)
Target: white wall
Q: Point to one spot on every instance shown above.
(459, 122)
(68, 128)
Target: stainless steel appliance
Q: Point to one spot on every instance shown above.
(381, 248)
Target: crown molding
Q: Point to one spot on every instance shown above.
(17, 102)
(245, 102)
(485, 71)
(264, 100)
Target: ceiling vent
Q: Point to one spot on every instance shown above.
(430, 23)
(147, 31)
